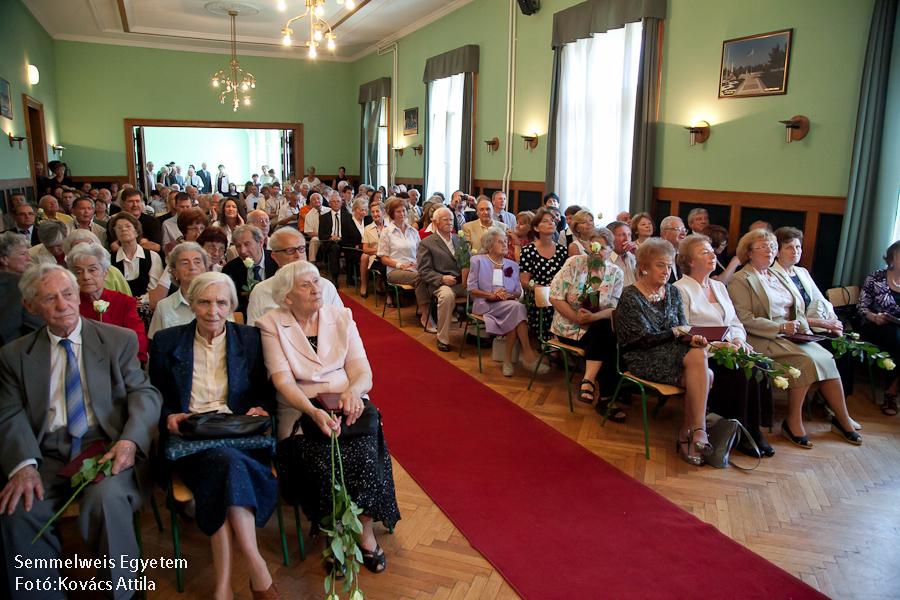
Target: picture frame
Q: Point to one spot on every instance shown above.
(411, 121)
(755, 65)
(5, 103)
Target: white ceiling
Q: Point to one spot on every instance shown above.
(189, 25)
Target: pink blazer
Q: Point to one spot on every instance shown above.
(286, 348)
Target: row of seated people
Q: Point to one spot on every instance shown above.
(301, 353)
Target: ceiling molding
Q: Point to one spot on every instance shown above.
(413, 27)
(141, 43)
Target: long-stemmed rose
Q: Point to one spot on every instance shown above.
(748, 361)
(100, 307)
(864, 351)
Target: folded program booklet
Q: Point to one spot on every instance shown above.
(712, 334)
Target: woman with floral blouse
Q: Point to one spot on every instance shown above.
(879, 308)
(584, 294)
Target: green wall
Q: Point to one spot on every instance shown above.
(25, 42)
(746, 149)
(101, 85)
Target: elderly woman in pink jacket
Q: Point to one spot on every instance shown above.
(322, 377)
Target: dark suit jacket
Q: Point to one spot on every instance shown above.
(238, 272)
(350, 235)
(207, 181)
(434, 260)
(15, 321)
(172, 365)
(125, 404)
(326, 224)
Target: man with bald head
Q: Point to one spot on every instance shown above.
(288, 246)
(311, 223)
(439, 272)
(50, 205)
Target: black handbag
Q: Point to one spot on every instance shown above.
(212, 425)
(725, 435)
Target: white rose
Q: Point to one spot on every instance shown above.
(248, 262)
(780, 382)
(794, 372)
(888, 364)
(101, 306)
(853, 335)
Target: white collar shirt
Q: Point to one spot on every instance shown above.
(56, 413)
(209, 381)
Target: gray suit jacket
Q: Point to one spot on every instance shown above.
(434, 260)
(125, 404)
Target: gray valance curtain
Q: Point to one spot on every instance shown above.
(461, 60)
(598, 16)
(371, 99)
(871, 209)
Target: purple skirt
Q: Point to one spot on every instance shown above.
(502, 317)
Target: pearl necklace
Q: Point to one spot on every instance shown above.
(651, 296)
(499, 265)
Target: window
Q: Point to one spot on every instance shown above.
(445, 123)
(896, 235)
(595, 122)
(382, 176)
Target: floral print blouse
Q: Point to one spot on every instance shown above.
(568, 284)
(876, 296)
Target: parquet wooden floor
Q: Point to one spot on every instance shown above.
(830, 515)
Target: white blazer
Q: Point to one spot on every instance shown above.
(819, 307)
(700, 311)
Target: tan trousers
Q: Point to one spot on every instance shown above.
(446, 302)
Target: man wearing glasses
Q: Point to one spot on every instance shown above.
(288, 245)
(672, 230)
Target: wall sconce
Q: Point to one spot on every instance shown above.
(531, 141)
(493, 144)
(699, 132)
(795, 128)
(57, 149)
(34, 76)
(13, 139)
(398, 151)
(418, 150)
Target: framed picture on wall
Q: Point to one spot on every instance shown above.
(411, 121)
(755, 65)
(5, 105)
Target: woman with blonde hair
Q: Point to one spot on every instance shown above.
(582, 226)
(772, 310)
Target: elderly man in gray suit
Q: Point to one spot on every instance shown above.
(439, 272)
(61, 388)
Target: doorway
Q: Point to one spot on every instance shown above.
(35, 132)
(138, 132)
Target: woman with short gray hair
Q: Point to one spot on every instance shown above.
(494, 284)
(52, 234)
(203, 281)
(90, 263)
(13, 252)
(186, 261)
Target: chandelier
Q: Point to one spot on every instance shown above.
(234, 80)
(318, 27)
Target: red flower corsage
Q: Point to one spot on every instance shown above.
(508, 272)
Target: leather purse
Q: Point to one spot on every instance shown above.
(212, 425)
(724, 435)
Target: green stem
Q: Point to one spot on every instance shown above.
(60, 511)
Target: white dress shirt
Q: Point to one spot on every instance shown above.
(209, 381)
(397, 245)
(261, 300)
(131, 267)
(170, 230)
(628, 265)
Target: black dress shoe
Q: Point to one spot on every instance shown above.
(799, 440)
(851, 437)
(745, 447)
(443, 347)
(765, 448)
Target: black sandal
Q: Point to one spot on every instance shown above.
(611, 411)
(374, 560)
(587, 396)
(889, 407)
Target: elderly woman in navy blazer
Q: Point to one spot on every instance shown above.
(213, 365)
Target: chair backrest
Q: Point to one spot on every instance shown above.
(843, 296)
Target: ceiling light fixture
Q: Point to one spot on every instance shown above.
(318, 27)
(234, 80)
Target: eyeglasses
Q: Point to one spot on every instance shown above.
(676, 229)
(291, 251)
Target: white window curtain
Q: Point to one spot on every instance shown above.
(263, 148)
(383, 123)
(595, 123)
(445, 122)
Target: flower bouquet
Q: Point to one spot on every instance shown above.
(343, 529)
(89, 471)
(864, 351)
(748, 361)
(463, 253)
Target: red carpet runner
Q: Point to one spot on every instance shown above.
(556, 520)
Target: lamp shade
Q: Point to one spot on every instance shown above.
(34, 76)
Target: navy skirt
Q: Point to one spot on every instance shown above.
(225, 477)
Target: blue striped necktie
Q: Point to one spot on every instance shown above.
(76, 414)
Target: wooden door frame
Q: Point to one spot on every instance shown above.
(33, 103)
(130, 124)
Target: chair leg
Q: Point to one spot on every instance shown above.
(537, 366)
(565, 357)
(176, 543)
(462, 344)
(284, 545)
(156, 516)
(299, 526)
(397, 304)
(612, 402)
(384, 307)
(646, 423)
(478, 345)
